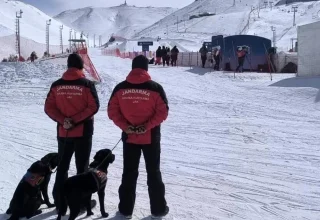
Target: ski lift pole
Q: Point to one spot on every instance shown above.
(234, 55)
(249, 62)
(269, 61)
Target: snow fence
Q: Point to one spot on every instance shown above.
(186, 59)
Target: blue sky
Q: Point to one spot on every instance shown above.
(53, 7)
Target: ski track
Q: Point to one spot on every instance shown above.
(231, 148)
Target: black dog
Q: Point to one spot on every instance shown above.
(78, 189)
(27, 198)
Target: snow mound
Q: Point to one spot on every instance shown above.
(27, 46)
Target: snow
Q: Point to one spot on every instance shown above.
(121, 20)
(243, 148)
(32, 28)
(8, 43)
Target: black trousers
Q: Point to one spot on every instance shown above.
(217, 64)
(241, 62)
(66, 147)
(164, 60)
(156, 188)
(204, 59)
(174, 59)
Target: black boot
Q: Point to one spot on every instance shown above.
(160, 215)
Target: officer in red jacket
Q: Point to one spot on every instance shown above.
(72, 102)
(138, 106)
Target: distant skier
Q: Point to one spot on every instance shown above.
(241, 54)
(33, 56)
(158, 56)
(168, 56)
(217, 58)
(164, 54)
(174, 56)
(203, 51)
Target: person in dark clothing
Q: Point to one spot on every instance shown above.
(72, 102)
(164, 54)
(158, 56)
(151, 61)
(168, 56)
(203, 51)
(174, 56)
(33, 56)
(217, 58)
(138, 106)
(241, 54)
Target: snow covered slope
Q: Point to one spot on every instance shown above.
(122, 20)
(231, 20)
(32, 26)
(228, 20)
(231, 148)
(281, 18)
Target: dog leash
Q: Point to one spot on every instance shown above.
(64, 146)
(109, 153)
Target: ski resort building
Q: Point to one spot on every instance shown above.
(308, 49)
(256, 59)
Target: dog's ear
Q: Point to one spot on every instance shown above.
(112, 158)
(47, 159)
(94, 164)
(98, 155)
(54, 162)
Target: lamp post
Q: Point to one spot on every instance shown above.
(100, 40)
(18, 16)
(295, 9)
(271, 4)
(48, 23)
(273, 29)
(70, 38)
(88, 40)
(61, 38)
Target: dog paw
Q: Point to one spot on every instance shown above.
(38, 212)
(90, 213)
(105, 214)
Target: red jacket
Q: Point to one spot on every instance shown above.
(73, 96)
(139, 101)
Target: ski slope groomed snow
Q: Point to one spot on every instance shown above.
(243, 148)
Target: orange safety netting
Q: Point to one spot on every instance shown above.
(88, 65)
